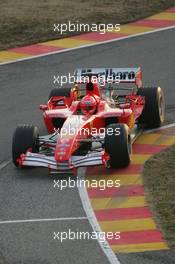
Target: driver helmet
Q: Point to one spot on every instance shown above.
(88, 105)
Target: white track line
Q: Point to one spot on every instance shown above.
(90, 213)
(43, 220)
(160, 128)
(88, 45)
(93, 221)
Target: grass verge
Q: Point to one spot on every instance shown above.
(26, 22)
(159, 181)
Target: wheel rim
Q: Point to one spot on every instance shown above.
(161, 108)
(129, 147)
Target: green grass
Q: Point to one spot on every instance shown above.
(26, 22)
(159, 181)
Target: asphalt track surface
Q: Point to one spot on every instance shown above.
(29, 193)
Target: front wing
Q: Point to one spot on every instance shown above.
(39, 160)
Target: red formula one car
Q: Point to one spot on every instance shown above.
(97, 127)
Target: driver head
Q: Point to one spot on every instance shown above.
(88, 105)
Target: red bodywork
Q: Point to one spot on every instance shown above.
(66, 114)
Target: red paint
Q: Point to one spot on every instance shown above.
(100, 170)
(147, 148)
(133, 190)
(95, 36)
(171, 10)
(36, 49)
(137, 237)
(154, 23)
(122, 213)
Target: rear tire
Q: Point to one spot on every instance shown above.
(153, 114)
(118, 146)
(60, 92)
(24, 138)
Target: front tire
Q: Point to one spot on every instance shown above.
(25, 137)
(118, 146)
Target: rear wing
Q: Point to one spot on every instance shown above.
(111, 75)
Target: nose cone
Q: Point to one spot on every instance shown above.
(68, 139)
(62, 151)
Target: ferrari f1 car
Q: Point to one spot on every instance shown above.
(91, 123)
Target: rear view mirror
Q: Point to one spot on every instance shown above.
(43, 107)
